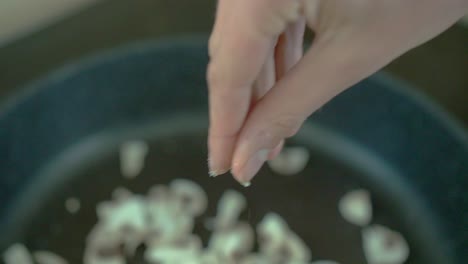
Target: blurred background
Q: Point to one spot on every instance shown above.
(39, 36)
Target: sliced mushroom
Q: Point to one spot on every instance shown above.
(132, 157)
(356, 207)
(290, 161)
(257, 259)
(271, 232)
(384, 246)
(211, 257)
(277, 241)
(296, 248)
(96, 259)
(233, 243)
(46, 257)
(229, 209)
(102, 242)
(181, 251)
(192, 197)
(166, 219)
(124, 221)
(17, 253)
(128, 213)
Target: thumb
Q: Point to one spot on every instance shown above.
(327, 69)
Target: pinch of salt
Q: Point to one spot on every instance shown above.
(356, 208)
(290, 161)
(382, 245)
(132, 157)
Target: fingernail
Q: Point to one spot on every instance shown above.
(253, 165)
(245, 184)
(214, 172)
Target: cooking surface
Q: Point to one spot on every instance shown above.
(132, 86)
(307, 201)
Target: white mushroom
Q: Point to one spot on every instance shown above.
(192, 197)
(97, 259)
(271, 232)
(124, 220)
(233, 243)
(384, 246)
(166, 226)
(46, 257)
(132, 157)
(356, 207)
(296, 248)
(125, 214)
(229, 209)
(103, 246)
(211, 257)
(277, 241)
(290, 161)
(177, 252)
(256, 259)
(17, 253)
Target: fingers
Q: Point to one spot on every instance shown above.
(326, 70)
(289, 48)
(266, 78)
(288, 51)
(236, 60)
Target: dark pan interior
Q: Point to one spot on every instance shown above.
(62, 134)
(308, 201)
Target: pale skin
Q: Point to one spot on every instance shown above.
(262, 87)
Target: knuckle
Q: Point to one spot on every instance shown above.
(287, 125)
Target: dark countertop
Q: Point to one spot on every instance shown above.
(439, 68)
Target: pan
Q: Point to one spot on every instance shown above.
(60, 139)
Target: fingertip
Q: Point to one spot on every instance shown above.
(220, 151)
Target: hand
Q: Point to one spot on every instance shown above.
(262, 88)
